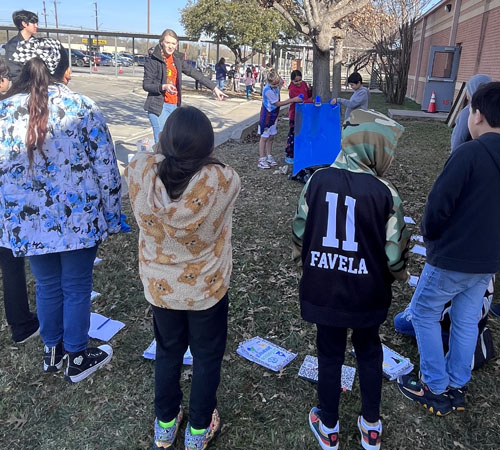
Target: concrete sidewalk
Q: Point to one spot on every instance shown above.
(121, 100)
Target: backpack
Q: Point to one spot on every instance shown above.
(484, 347)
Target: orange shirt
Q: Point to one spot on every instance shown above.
(172, 79)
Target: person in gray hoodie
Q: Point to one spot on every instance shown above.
(359, 99)
(461, 133)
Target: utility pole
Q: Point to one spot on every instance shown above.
(149, 14)
(45, 16)
(96, 18)
(55, 14)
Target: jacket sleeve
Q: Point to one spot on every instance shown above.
(460, 133)
(13, 67)
(299, 225)
(152, 81)
(100, 149)
(356, 100)
(446, 192)
(397, 239)
(190, 71)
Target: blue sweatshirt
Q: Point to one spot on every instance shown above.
(462, 216)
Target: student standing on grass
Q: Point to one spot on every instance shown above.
(23, 323)
(351, 238)
(163, 80)
(460, 229)
(59, 198)
(296, 87)
(27, 24)
(358, 100)
(183, 200)
(269, 117)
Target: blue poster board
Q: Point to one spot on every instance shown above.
(317, 135)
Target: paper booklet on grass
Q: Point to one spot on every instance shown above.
(265, 353)
(393, 364)
(309, 371)
(150, 353)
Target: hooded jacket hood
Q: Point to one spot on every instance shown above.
(369, 141)
(476, 82)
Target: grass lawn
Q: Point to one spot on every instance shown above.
(260, 409)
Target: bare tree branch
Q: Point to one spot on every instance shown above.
(299, 26)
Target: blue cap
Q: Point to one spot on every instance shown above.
(301, 96)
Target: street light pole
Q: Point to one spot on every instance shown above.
(149, 15)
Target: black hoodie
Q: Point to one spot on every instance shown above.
(461, 224)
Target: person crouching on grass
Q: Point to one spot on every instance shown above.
(268, 117)
(350, 236)
(183, 200)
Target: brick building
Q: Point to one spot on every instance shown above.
(472, 25)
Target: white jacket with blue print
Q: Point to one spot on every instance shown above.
(69, 199)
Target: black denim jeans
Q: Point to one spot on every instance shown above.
(206, 334)
(331, 342)
(22, 322)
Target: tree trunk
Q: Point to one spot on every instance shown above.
(337, 67)
(321, 73)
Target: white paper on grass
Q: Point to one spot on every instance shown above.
(265, 353)
(409, 220)
(395, 365)
(413, 281)
(309, 371)
(103, 328)
(97, 261)
(419, 250)
(418, 238)
(150, 353)
(94, 295)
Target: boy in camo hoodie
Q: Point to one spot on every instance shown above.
(352, 240)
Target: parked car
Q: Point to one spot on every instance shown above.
(106, 60)
(79, 59)
(96, 59)
(128, 56)
(139, 60)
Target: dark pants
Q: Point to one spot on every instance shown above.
(290, 142)
(21, 321)
(331, 342)
(206, 334)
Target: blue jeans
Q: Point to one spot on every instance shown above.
(248, 90)
(435, 288)
(158, 122)
(63, 287)
(220, 84)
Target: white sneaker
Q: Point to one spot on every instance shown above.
(263, 164)
(271, 161)
(370, 436)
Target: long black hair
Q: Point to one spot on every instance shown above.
(187, 142)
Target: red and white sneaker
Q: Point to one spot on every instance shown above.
(263, 164)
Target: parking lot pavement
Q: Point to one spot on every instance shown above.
(121, 100)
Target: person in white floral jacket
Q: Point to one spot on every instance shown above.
(59, 198)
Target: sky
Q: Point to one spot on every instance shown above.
(113, 15)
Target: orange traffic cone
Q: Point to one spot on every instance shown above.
(432, 103)
(95, 67)
(121, 70)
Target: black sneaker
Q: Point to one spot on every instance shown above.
(416, 390)
(457, 397)
(53, 357)
(85, 363)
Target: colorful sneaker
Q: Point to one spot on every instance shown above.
(416, 390)
(326, 440)
(85, 363)
(288, 160)
(457, 397)
(271, 161)
(201, 441)
(165, 437)
(53, 357)
(370, 436)
(263, 163)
